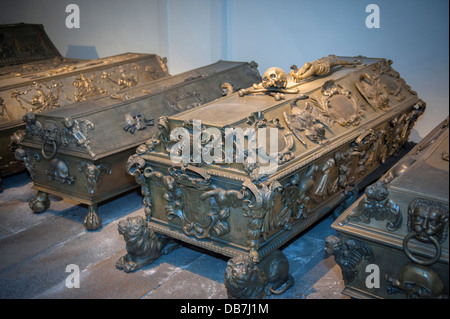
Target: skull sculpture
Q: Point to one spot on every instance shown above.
(418, 282)
(274, 78)
(274, 83)
(59, 171)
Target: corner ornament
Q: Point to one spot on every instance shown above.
(348, 254)
(377, 205)
(92, 174)
(77, 132)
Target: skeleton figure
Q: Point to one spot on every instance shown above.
(319, 67)
(42, 100)
(274, 82)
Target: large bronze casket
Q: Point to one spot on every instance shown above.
(334, 127)
(393, 241)
(80, 152)
(34, 77)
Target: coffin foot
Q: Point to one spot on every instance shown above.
(246, 280)
(92, 221)
(40, 203)
(143, 245)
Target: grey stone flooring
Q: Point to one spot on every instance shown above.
(35, 250)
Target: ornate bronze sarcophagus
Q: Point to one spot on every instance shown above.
(80, 152)
(243, 175)
(34, 77)
(393, 241)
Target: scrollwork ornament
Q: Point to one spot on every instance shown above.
(339, 103)
(308, 121)
(139, 168)
(204, 215)
(370, 86)
(260, 209)
(175, 103)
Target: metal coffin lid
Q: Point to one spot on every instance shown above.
(38, 87)
(340, 101)
(424, 172)
(110, 124)
(24, 43)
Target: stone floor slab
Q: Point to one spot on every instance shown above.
(36, 248)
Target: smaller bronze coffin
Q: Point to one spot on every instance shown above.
(34, 77)
(403, 220)
(80, 152)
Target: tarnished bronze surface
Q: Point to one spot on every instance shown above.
(34, 77)
(22, 43)
(332, 139)
(403, 220)
(80, 152)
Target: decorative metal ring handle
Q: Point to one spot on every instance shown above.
(422, 262)
(53, 150)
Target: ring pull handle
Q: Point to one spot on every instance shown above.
(54, 147)
(50, 135)
(423, 262)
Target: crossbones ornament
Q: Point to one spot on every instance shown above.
(274, 82)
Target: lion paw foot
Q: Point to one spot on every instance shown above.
(39, 203)
(92, 221)
(127, 266)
